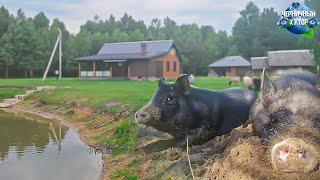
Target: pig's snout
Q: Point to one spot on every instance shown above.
(146, 114)
(142, 116)
(294, 155)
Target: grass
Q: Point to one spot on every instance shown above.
(8, 92)
(130, 171)
(96, 93)
(124, 138)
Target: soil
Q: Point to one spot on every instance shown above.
(238, 155)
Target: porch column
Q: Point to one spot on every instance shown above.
(94, 68)
(79, 70)
(110, 69)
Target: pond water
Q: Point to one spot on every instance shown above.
(36, 149)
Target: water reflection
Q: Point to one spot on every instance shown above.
(22, 134)
(34, 148)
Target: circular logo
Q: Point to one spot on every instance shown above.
(298, 19)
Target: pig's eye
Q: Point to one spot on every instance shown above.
(170, 101)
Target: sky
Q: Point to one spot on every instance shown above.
(221, 14)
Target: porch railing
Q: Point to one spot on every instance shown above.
(90, 74)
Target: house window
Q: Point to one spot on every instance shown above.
(168, 66)
(174, 66)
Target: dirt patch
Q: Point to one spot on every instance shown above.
(238, 155)
(112, 103)
(18, 87)
(247, 158)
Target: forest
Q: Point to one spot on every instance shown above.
(26, 43)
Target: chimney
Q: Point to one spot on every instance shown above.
(143, 48)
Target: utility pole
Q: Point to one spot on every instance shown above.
(60, 54)
(58, 42)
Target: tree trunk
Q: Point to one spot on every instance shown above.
(26, 74)
(31, 73)
(7, 72)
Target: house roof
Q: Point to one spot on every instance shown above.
(130, 50)
(231, 61)
(259, 62)
(291, 58)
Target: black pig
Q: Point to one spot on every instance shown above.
(287, 116)
(179, 108)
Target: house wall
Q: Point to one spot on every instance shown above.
(171, 58)
(137, 69)
(242, 71)
(232, 72)
(119, 70)
(280, 70)
(155, 68)
(144, 70)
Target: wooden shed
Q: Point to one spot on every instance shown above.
(279, 62)
(149, 60)
(231, 66)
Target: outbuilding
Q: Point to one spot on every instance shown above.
(231, 66)
(280, 61)
(142, 60)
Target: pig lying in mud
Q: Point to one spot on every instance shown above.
(180, 110)
(287, 117)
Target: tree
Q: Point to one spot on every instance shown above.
(136, 35)
(26, 46)
(4, 20)
(41, 21)
(245, 29)
(6, 51)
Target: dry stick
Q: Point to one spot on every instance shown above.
(189, 160)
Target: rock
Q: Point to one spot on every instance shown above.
(112, 103)
(196, 158)
(126, 113)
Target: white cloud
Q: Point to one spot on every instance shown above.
(221, 14)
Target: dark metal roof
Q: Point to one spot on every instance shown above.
(130, 50)
(291, 58)
(231, 61)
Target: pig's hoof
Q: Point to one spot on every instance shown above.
(294, 155)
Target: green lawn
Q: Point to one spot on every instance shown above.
(96, 93)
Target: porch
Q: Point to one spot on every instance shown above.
(108, 69)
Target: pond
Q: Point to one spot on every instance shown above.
(36, 148)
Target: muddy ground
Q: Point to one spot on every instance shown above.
(238, 155)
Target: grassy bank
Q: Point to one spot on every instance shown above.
(106, 108)
(9, 92)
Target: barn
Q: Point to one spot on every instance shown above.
(230, 66)
(142, 60)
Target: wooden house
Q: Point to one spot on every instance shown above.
(143, 60)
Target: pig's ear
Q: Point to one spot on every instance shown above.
(182, 84)
(267, 86)
(161, 82)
